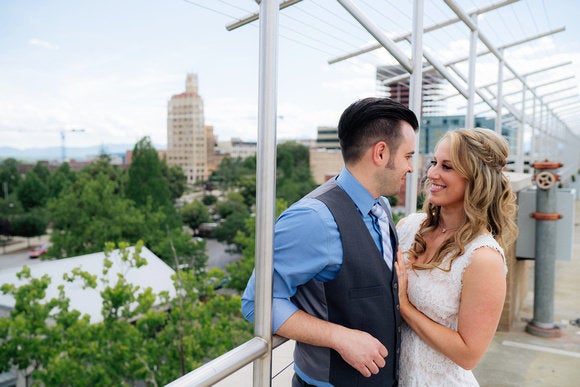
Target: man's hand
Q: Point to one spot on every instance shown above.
(361, 350)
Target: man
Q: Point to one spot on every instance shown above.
(334, 289)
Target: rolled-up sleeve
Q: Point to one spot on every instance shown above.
(306, 246)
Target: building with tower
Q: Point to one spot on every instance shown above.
(186, 132)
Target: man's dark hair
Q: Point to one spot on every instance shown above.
(369, 120)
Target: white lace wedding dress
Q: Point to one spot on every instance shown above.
(436, 293)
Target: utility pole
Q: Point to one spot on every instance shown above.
(63, 142)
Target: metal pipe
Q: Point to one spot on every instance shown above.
(222, 366)
(428, 69)
(519, 167)
(266, 185)
(469, 119)
(415, 101)
(542, 323)
(255, 16)
(499, 97)
(467, 20)
(377, 33)
(431, 28)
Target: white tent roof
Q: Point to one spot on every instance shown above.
(156, 275)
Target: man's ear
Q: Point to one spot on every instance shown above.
(381, 153)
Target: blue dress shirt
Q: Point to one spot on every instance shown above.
(307, 245)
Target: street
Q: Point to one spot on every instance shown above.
(216, 251)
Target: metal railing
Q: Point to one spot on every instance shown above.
(258, 349)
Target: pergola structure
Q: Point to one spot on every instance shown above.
(467, 43)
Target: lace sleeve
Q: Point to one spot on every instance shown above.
(485, 240)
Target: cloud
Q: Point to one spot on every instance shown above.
(42, 44)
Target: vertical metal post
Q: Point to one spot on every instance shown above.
(519, 167)
(499, 101)
(534, 132)
(543, 136)
(415, 101)
(469, 118)
(266, 184)
(545, 261)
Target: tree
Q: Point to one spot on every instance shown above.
(175, 178)
(9, 176)
(239, 272)
(90, 213)
(146, 178)
(231, 170)
(234, 202)
(28, 225)
(62, 178)
(144, 337)
(227, 230)
(32, 192)
(42, 171)
(209, 200)
(294, 179)
(195, 213)
(103, 166)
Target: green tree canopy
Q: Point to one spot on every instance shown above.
(9, 176)
(63, 177)
(231, 170)
(32, 191)
(175, 178)
(294, 179)
(145, 338)
(42, 171)
(28, 225)
(195, 213)
(90, 213)
(146, 177)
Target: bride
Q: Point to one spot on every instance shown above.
(451, 266)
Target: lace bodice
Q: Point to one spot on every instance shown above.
(436, 293)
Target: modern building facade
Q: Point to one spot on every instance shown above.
(400, 90)
(186, 132)
(327, 138)
(434, 127)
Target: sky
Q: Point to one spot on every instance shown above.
(102, 72)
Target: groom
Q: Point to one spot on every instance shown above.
(334, 287)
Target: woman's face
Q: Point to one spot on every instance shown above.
(447, 186)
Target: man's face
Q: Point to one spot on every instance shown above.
(400, 162)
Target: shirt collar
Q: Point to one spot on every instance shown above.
(357, 192)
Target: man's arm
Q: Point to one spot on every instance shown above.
(307, 246)
(359, 349)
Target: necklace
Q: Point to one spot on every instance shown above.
(445, 229)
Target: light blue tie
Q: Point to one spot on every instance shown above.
(383, 223)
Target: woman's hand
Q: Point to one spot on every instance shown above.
(401, 270)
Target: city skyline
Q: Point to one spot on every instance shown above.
(110, 68)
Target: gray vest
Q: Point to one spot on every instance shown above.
(363, 296)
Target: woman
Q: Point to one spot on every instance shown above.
(451, 265)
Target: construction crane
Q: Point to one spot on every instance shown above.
(63, 142)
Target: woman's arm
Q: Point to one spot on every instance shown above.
(482, 299)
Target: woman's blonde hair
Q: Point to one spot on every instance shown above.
(479, 155)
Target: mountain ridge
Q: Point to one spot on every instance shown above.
(55, 152)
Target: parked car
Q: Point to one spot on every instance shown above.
(38, 251)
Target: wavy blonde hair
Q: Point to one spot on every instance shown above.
(479, 155)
